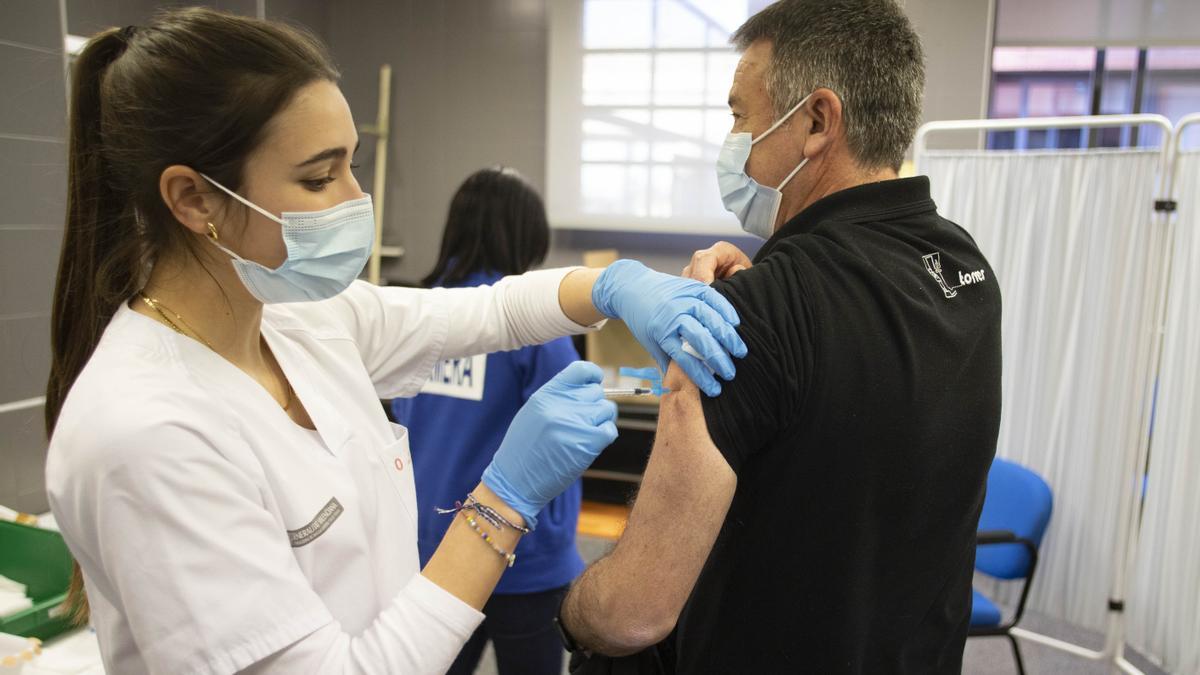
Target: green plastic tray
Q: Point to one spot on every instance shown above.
(39, 559)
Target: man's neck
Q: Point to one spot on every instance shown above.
(828, 181)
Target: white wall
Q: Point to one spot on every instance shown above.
(957, 37)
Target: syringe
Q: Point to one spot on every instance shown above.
(628, 391)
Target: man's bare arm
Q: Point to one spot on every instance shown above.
(632, 598)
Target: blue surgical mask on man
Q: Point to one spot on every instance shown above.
(756, 206)
(326, 251)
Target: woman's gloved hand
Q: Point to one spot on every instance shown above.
(552, 439)
(663, 310)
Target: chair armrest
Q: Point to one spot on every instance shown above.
(984, 537)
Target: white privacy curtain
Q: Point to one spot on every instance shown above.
(1071, 239)
(1165, 597)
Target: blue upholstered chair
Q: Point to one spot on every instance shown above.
(1015, 514)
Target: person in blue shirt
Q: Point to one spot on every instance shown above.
(496, 226)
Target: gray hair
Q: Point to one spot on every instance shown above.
(865, 51)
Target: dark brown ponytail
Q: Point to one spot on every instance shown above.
(195, 87)
(98, 233)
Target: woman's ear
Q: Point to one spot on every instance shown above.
(189, 197)
(823, 114)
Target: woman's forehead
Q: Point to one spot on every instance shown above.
(317, 118)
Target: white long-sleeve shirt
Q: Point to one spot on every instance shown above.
(216, 535)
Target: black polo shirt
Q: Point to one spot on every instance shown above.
(861, 426)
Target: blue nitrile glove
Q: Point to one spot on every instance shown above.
(552, 439)
(663, 310)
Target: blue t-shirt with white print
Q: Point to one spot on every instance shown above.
(455, 426)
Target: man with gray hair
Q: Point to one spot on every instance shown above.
(819, 515)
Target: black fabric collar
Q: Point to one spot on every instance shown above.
(871, 201)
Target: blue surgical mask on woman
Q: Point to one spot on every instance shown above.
(756, 206)
(326, 251)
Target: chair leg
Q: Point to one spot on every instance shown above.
(1016, 653)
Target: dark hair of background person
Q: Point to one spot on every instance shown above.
(496, 223)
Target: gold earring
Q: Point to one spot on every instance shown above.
(212, 232)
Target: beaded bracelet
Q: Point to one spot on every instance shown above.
(511, 558)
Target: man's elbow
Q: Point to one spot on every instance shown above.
(633, 637)
(637, 626)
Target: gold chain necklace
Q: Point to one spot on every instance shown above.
(157, 306)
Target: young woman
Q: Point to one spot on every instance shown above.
(496, 226)
(219, 463)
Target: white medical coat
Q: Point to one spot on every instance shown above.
(213, 532)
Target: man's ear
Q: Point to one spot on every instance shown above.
(823, 117)
(189, 197)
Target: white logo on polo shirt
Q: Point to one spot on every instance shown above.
(970, 278)
(458, 378)
(933, 265)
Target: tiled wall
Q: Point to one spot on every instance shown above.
(32, 190)
(86, 17)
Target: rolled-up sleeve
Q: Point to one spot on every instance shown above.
(765, 396)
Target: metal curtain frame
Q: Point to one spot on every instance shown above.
(1129, 510)
(1177, 149)
(1169, 207)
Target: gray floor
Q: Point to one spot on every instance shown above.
(983, 656)
(993, 656)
